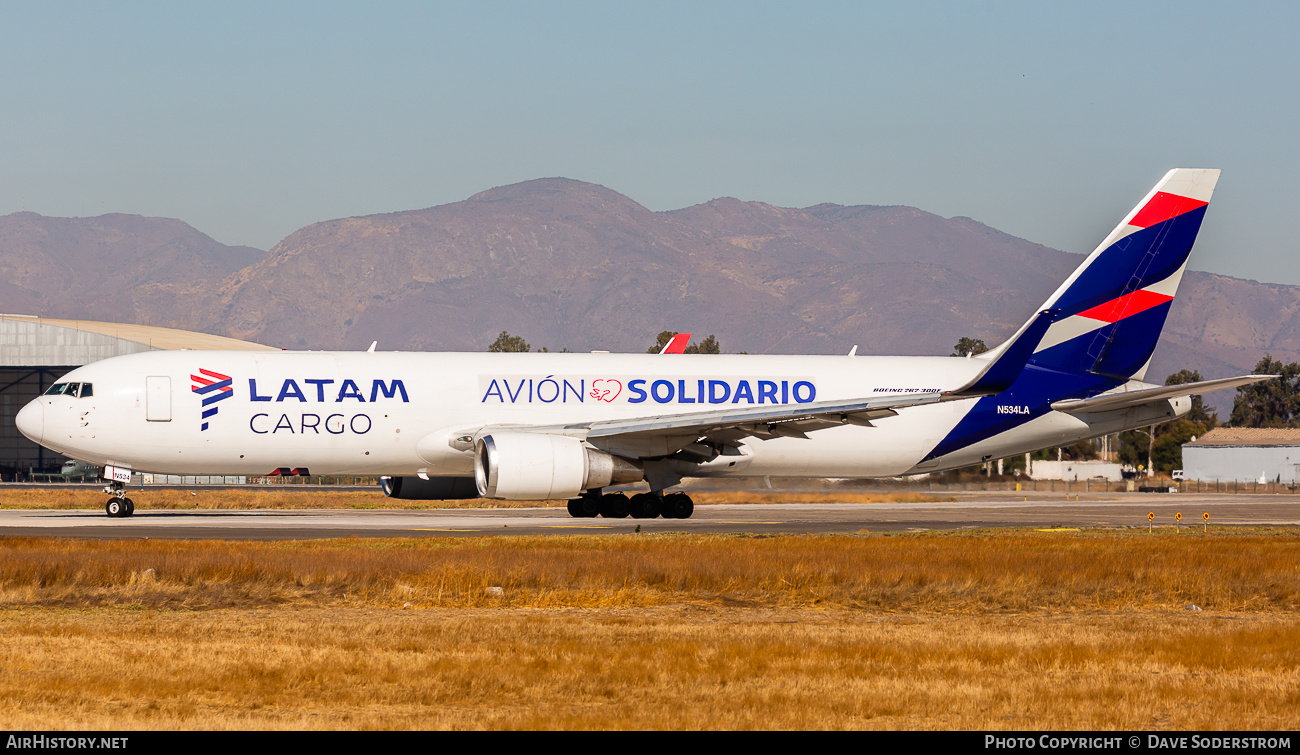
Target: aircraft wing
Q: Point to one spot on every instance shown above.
(785, 420)
(1122, 398)
(662, 435)
(654, 436)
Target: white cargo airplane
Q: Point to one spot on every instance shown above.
(547, 426)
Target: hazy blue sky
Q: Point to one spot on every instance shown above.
(1045, 120)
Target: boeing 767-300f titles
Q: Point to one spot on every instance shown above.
(547, 426)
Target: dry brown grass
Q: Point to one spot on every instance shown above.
(1005, 630)
(682, 668)
(286, 497)
(1229, 569)
(296, 497)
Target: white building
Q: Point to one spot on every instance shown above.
(1245, 454)
(35, 352)
(1075, 470)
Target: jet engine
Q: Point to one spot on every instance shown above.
(432, 489)
(533, 466)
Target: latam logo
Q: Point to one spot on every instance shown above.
(213, 387)
(325, 391)
(318, 391)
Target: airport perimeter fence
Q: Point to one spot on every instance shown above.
(314, 480)
(138, 479)
(1161, 485)
(170, 480)
(1015, 485)
(271, 480)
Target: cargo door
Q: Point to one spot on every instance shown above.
(158, 399)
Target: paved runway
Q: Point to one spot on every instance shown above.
(969, 511)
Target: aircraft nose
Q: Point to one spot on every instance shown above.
(31, 420)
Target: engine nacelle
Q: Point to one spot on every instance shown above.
(432, 489)
(534, 466)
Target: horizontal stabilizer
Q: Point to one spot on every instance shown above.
(1121, 398)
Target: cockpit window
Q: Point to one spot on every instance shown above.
(75, 390)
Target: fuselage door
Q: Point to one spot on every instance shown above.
(158, 398)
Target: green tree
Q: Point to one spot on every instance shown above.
(1198, 413)
(661, 341)
(508, 343)
(968, 347)
(1162, 444)
(1167, 453)
(1084, 450)
(1270, 403)
(1133, 448)
(707, 346)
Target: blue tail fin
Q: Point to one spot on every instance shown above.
(1105, 319)
(1112, 309)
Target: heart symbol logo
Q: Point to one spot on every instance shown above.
(607, 392)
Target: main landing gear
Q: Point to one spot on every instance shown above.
(119, 505)
(640, 506)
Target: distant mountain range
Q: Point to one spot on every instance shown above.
(570, 264)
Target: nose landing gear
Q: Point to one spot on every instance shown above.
(119, 505)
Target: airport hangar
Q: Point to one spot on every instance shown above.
(35, 352)
(1245, 454)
